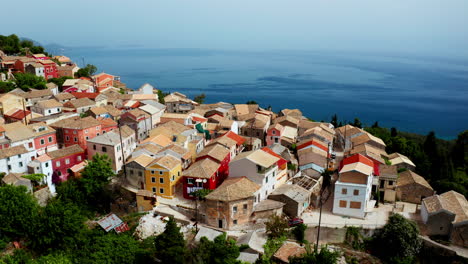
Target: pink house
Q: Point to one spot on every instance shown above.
(63, 159)
(274, 134)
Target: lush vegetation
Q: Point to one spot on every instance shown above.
(12, 45)
(200, 98)
(397, 242)
(321, 256)
(88, 71)
(443, 163)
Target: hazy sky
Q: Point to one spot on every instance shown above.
(410, 26)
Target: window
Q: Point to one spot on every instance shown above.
(67, 161)
(153, 189)
(173, 178)
(160, 173)
(153, 179)
(189, 181)
(355, 205)
(47, 164)
(86, 131)
(97, 128)
(67, 138)
(140, 173)
(343, 204)
(42, 141)
(234, 209)
(152, 172)
(50, 111)
(161, 190)
(94, 147)
(245, 207)
(58, 109)
(234, 222)
(78, 158)
(104, 149)
(74, 132)
(57, 164)
(20, 164)
(390, 183)
(344, 191)
(161, 180)
(9, 167)
(178, 173)
(273, 132)
(75, 139)
(87, 137)
(266, 179)
(118, 148)
(30, 144)
(50, 139)
(382, 184)
(356, 192)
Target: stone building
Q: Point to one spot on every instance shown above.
(412, 188)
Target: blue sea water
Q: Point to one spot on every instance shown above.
(414, 94)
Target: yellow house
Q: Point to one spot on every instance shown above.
(162, 175)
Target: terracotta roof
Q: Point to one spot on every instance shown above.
(18, 131)
(13, 178)
(204, 168)
(106, 122)
(150, 147)
(112, 110)
(160, 140)
(64, 152)
(288, 118)
(98, 110)
(17, 113)
(112, 138)
(76, 123)
(370, 151)
(233, 189)
(175, 116)
(319, 131)
(357, 167)
(312, 155)
(409, 177)
(85, 95)
(388, 171)
(267, 205)
(289, 249)
(215, 151)
(358, 158)
(137, 113)
(243, 109)
(168, 161)
(185, 153)
(145, 193)
(82, 102)
(223, 141)
(239, 140)
(64, 96)
(51, 103)
(12, 151)
(143, 159)
(37, 93)
(397, 158)
(171, 127)
(258, 157)
(292, 112)
(451, 201)
(349, 130)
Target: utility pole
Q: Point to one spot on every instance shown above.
(121, 149)
(320, 199)
(24, 110)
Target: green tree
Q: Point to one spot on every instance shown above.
(161, 96)
(334, 120)
(58, 226)
(170, 245)
(111, 248)
(10, 44)
(324, 256)
(276, 226)
(200, 98)
(393, 132)
(299, 232)
(88, 71)
(18, 209)
(251, 102)
(26, 81)
(219, 251)
(59, 81)
(357, 123)
(5, 87)
(54, 258)
(398, 240)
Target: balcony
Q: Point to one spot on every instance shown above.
(193, 189)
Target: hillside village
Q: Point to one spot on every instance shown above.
(221, 167)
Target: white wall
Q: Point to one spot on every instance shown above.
(424, 213)
(14, 162)
(363, 197)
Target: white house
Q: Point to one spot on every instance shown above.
(144, 89)
(109, 144)
(47, 107)
(43, 164)
(353, 188)
(36, 69)
(260, 167)
(154, 112)
(15, 159)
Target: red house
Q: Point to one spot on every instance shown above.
(45, 139)
(311, 143)
(103, 81)
(203, 174)
(50, 69)
(362, 159)
(73, 130)
(210, 169)
(63, 159)
(21, 64)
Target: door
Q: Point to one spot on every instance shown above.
(220, 223)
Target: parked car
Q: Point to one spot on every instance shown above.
(295, 221)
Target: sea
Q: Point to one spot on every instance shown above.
(412, 93)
